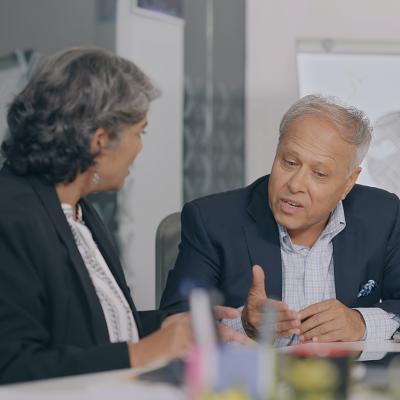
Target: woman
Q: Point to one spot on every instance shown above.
(65, 307)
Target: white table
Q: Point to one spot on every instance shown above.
(110, 385)
(385, 346)
(122, 384)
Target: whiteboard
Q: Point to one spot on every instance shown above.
(370, 82)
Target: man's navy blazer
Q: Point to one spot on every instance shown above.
(52, 323)
(224, 235)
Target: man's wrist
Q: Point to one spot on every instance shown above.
(363, 326)
(250, 330)
(379, 323)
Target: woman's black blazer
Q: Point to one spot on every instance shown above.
(51, 321)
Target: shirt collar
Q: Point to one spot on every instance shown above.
(337, 222)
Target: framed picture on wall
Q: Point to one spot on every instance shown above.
(106, 10)
(160, 8)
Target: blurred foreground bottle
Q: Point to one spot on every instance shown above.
(229, 371)
(316, 371)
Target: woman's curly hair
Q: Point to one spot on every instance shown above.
(70, 96)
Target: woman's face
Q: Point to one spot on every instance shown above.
(113, 162)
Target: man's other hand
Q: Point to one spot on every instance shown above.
(331, 321)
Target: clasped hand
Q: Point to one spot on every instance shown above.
(327, 321)
(331, 321)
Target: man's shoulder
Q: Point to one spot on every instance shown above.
(372, 202)
(369, 193)
(237, 199)
(225, 213)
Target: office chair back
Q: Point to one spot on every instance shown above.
(168, 237)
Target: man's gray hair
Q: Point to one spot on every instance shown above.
(352, 123)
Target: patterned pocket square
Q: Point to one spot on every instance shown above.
(367, 288)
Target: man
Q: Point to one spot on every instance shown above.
(327, 250)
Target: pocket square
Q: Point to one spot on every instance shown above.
(367, 288)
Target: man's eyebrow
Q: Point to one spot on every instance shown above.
(287, 152)
(294, 153)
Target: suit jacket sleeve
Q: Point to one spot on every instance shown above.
(391, 273)
(26, 348)
(198, 262)
(151, 320)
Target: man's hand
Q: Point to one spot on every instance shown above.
(226, 333)
(288, 321)
(331, 321)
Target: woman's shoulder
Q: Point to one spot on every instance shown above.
(16, 194)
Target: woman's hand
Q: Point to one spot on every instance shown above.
(173, 340)
(226, 334)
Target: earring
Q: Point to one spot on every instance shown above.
(96, 178)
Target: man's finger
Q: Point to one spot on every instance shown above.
(221, 312)
(321, 330)
(289, 332)
(288, 315)
(315, 309)
(333, 336)
(316, 320)
(277, 304)
(258, 283)
(288, 326)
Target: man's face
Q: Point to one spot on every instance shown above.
(310, 175)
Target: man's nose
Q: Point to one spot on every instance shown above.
(297, 181)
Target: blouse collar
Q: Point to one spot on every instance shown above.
(68, 211)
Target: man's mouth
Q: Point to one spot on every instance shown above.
(292, 203)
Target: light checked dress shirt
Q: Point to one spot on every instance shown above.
(308, 278)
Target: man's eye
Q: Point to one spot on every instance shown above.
(320, 174)
(290, 163)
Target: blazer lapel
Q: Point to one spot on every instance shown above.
(106, 246)
(347, 253)
(262, 238)
(51, 203)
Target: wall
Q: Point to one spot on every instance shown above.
(154, 188)
(48, 26)
(214, 97)
(272, 29)
(51, 25)
(155, 185)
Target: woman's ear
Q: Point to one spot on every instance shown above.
(99, 140)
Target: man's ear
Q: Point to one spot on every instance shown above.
(99, 140)
(351, 181)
